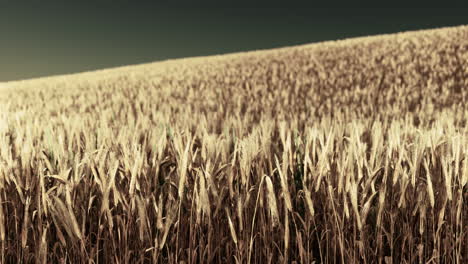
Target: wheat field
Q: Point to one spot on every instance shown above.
(350, 151)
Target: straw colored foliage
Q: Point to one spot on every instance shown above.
(352, 151)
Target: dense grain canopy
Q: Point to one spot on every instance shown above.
(342, 151)
(386, 75)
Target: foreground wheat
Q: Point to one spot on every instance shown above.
(268, 157)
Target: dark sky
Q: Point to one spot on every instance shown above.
(41, 38)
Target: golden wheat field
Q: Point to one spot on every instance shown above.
(350, 151)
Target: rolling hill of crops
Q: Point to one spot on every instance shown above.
(350, 151)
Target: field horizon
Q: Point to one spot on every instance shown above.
(344, 41)
(347, 151)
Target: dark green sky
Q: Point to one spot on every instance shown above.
(40, 38)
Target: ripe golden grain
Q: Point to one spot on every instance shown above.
(365, 138)
(272, 201)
